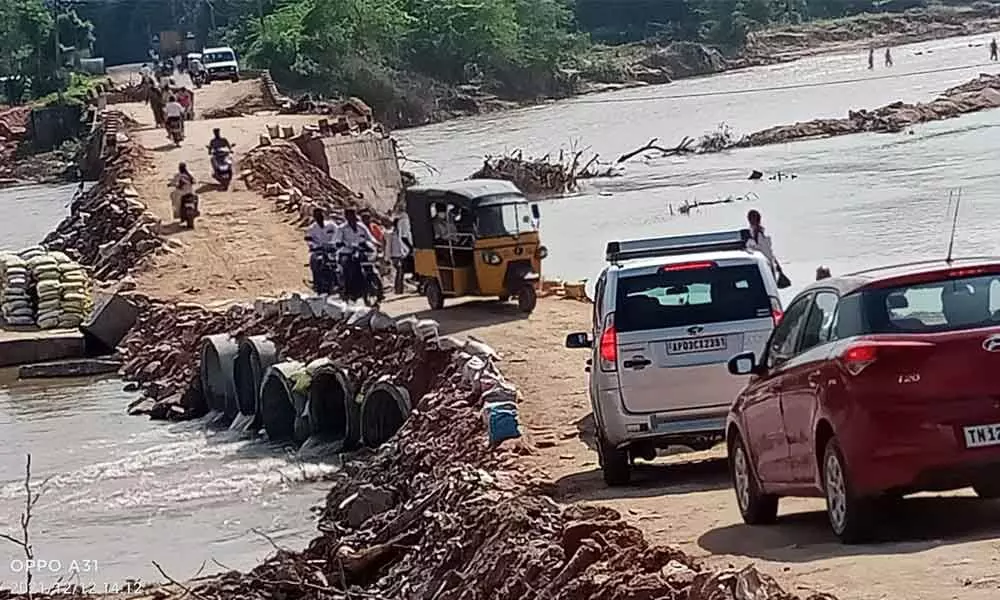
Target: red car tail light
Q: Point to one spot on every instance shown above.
(608, 345)
(688, 266)
(856, 358)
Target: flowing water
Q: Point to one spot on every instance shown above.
(125, 491)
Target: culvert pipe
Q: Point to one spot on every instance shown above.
(282, 410)
(215, 368)
(384, 409)
(334, 412)
(254, 357)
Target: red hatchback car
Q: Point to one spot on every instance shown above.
(875, 384)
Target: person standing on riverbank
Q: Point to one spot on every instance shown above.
(398, 248)
(871, 58)
(888, 57)
(761, 242)
(993, 49)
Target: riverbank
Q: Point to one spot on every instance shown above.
(607, 68)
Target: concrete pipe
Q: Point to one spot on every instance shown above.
(216, 373)
(334, 413)
(281, 409)
(384, 409)
(254, 357)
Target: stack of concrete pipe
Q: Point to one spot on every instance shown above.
(245, 385)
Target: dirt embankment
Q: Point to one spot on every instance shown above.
(978, 94)
(436, 512)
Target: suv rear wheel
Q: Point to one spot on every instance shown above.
(614, 463)
(851, 517)
(756, 507)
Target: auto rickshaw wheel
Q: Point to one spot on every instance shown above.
(432, 291)
(527, 299)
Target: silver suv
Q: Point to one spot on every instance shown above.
(669, 313)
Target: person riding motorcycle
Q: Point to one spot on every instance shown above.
(196, 71)
(173, 113)
(216, 147)
(350, 236)
(183, 185)
(319, 238)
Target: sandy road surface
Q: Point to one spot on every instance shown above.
(240, 247)
(936, 548)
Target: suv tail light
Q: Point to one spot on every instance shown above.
(689, 266)
(776, 312)
(607, 349)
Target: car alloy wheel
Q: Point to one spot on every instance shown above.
(741, 479)
(836, 493)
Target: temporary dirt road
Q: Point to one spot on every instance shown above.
(937, 547)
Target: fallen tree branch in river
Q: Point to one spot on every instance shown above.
(682, 148)
(542, 177)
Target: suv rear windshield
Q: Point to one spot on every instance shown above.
(945, 305)
(681, 298)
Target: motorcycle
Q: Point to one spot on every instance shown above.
(189, 210)
(359, 277)
(222, 166)
(327, 257)
(175, 129)
(199, 78)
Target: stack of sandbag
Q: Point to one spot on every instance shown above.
(44, 273)
(75, 293)
(17, 305)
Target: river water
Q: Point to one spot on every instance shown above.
(126, 491)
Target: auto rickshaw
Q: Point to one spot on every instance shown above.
(475, 238)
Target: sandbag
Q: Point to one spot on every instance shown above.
(22, 312)
(49, 305)
(13, 270)
(20, 321)
(16, 304)
(60, 256)
(47, 276)
(48, 284)
(49, 315)
(75, 298)
(48, 324)
(70, 321)
(41, 260)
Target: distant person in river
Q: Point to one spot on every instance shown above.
(822, 273)
(871, 58)
(888, 57)
(761, 242)
(993, 49)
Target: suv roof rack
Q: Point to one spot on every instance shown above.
(677, 244)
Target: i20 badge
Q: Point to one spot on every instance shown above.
(992, 343)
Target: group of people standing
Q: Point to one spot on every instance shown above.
(352, 232)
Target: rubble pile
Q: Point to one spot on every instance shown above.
(534, 177)
(438, 513)
(167, 370)
(978, 94)
(13, 129)
(108, 229)
(281, 171)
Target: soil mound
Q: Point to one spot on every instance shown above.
(282, 171)
(247, 97)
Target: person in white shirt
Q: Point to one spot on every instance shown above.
(173, 110)
(398, 248)
(353, 232)
(761, 242)
(320, 236)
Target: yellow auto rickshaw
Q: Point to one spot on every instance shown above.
(475, 238)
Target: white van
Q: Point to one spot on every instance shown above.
(669, 313)
(220, 64)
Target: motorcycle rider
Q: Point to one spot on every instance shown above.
(217, 144)
(173, 112)
(349, 236)
(319, 238)
(196, 70)
(183, 185)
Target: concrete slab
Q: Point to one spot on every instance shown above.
(21, 347)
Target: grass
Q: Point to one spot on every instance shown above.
(82, 88)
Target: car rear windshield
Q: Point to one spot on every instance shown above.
(943, 305)
(689, 297)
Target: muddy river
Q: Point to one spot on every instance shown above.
(125, 491)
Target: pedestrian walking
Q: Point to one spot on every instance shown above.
(871, 58)
(888, 57)
(398, 249)
(993, 49)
